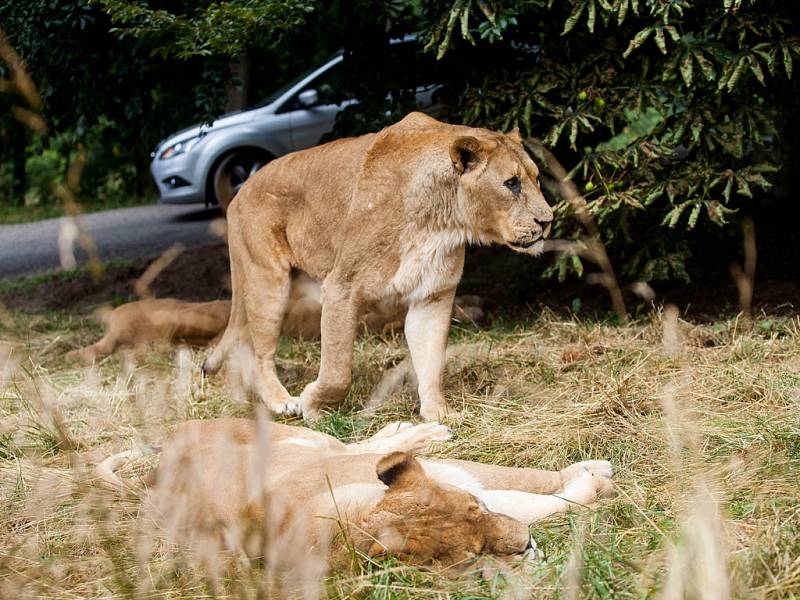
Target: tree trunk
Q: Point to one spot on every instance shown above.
(239, 86)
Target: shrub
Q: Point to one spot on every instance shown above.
(670, 114)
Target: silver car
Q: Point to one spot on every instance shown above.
(209, 163)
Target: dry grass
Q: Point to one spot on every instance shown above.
(702, 423)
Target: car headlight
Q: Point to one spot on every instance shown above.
(180, 147)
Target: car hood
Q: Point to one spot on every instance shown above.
(222, 122)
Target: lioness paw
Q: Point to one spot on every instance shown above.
(586, 481)
(438, 432)
(291, 407)
(601, 468)
(434, 411)
(427, 433)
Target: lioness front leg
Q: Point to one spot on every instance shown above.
(427, 328)
(531, 494)
(338, 329)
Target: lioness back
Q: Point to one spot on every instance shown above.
(307, 193)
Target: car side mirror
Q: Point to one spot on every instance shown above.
(308, 98)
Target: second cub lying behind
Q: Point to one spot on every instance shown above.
(135, 324)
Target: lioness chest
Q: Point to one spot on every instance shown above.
(428, 265)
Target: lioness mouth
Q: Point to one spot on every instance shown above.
(525, 244)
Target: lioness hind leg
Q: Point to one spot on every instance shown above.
(268, 287)
(427, 327)
(102, 348)
(237, 321)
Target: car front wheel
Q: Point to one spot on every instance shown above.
(231, 173)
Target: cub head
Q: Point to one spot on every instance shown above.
(499, 191)
(424, 521)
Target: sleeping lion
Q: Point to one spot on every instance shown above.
(135, 324)
(228, 475)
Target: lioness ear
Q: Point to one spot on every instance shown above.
(399, 469)
(466, 152)
(514, 135)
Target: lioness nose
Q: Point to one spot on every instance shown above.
(546, 225)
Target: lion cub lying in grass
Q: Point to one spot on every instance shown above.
(231, 474)
(135, 324)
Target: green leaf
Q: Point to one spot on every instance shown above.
(755, 67)
(737, 73)
(591, 16)
(693, 215)
(705, 65)
(577, 264)
(526, 114)
(465, 24)
(572, 20)
(672, 217)
(673, 33)
(623, 11)
(653, 195)
(639, 39)
(643, 125)
(743, 188)
(660, 42)
(686, 69)
(787, 61)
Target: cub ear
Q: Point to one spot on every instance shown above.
(399, 469)
(466, 153)
(514, 135)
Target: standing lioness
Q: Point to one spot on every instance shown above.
(382, 220)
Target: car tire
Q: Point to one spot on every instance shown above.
(231, 172)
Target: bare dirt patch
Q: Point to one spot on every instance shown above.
(510, 285)
(196, 275)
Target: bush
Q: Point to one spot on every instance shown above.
(45, 166)
(673, 116)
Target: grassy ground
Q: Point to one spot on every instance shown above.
(703, 427)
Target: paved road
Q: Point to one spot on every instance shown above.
(119, 234)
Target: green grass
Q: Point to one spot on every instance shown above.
(549, 392)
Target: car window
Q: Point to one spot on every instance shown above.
(281, 90)
(329, 86)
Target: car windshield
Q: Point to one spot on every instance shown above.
(285, 88)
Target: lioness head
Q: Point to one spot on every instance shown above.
(424, 521)
(499, 188)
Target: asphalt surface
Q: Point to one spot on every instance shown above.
(123, 233)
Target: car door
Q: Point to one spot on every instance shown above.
(309, 123)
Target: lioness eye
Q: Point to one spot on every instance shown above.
(513, 184)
